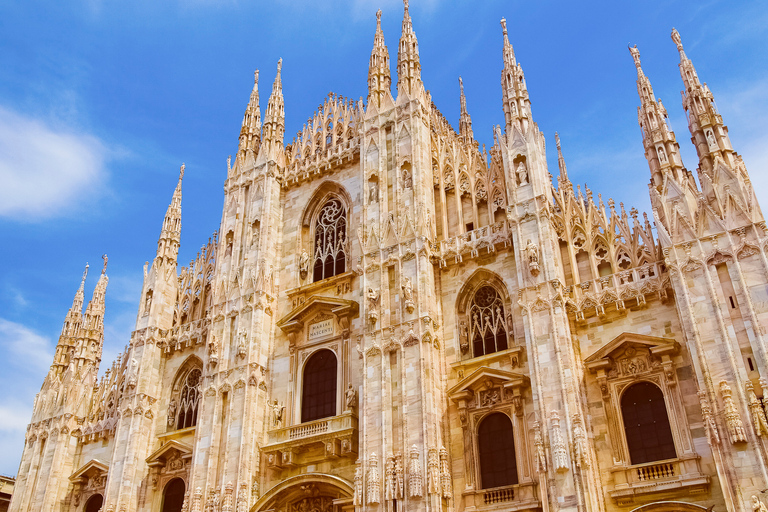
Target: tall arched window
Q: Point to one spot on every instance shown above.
(488, 327)
(173, 495)
(646, 424)
(330, 241)
(318, 398)
(94, 503)
(496, 447)
(186, 404)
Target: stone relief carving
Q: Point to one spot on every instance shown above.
(445, 474)
(433, 472)
(559, 450)
(357, 499)
(373, 483)
(538, 443)
(415, 477)
(709, 420)
(759, 421)
(732, 417)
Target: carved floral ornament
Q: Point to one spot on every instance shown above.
(488, 388)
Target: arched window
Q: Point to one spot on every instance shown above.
(318, 398)
(496, 447)
(173, 495)
(94, 503)
(646, 424)
(330, 256)
(488, 328)
(186, 404)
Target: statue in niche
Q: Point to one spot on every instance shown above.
(407, 287)
(532, 252)
(662, 155)
(407, 180)
(148, 302)
(277, 413)
(350, 397)
(373, 192)
(463, 337)
(522, 173)
(711, 138)
(303, 264)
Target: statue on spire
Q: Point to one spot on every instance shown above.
(104, 256)
(181, 171)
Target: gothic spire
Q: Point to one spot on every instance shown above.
(465, 122)
(170, 235)
(517, 106)
(93, 320)
(379, 78)
(250, 133)
(708, 132)
(661, 148)
(274, 118)
(408, 64)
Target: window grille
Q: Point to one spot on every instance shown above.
(189, 398)
(488, 330)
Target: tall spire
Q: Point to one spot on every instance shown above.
(705, 123)
(517, 105)
(661, 148)
(250, 133)
(170, 235)
(465, 122)
(274, 118)
(408, 64)
(379, 78)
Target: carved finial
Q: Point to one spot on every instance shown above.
(504, 25)
(557, 141)
(181, 171)
(378, 19)
(256, 77)
(85, 274)
(104, 257)
(405, 5)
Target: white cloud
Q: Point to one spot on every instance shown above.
(30, 348)
(45, 171)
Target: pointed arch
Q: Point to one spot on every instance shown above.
(184, 401)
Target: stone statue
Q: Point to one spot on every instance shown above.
(407, 288)
(277, 414)
(373, 192)
(357, 500)
(350, 396)
(415, 477)
(711, 138)
(463, 337)
(522, 173)
(303, 264)
(171, 412)
(532, 253)
(373, 483)
(757, 505)
(662, 155)
(407, 180)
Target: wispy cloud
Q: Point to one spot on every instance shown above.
(46, 171)
(25, 344)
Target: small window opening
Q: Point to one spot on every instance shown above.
(751, 366)
(733, 304)
(470, 226)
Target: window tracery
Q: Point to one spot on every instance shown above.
(330, 241)
(488, 327)
(182, 409)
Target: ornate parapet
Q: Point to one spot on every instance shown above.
(641, 480)
(474, 244)
(338, 435)
(517, 498)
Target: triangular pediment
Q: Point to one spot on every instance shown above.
(618, 345)
(171, 449)
(486, 377)
(294, 320)
(92, 468)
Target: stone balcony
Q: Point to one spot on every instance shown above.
(309, 442)
(672, 475)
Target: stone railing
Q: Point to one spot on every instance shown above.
(656, 471)
(309, 429)
(498, 495)
(324, 160)
(592, 297)
(474, 243)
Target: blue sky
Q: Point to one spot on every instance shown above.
(101, 101)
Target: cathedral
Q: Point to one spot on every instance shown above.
(393, 318)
